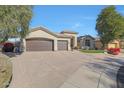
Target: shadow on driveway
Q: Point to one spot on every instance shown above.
(113, 68)
(11, 54)
(120, 73)
(120, 77)
(116, 62)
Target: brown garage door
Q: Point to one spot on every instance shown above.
(39, 45)
(62, 45)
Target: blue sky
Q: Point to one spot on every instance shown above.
(81, 19)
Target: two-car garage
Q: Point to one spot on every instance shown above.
(38, 44)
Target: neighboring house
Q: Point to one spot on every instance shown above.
(89, 42)
(112, 44)
(86, 42)
(42, 39)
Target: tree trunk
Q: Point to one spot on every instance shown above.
(103, 45)
(22, 48)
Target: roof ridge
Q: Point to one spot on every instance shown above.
(48, 31)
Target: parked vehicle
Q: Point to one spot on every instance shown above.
(8, 47)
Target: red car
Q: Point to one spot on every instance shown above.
(8, 47)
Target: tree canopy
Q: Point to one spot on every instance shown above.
(110, 25)
(14, 20)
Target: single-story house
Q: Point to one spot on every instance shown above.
(112, 44)
(86, 42)
(89, 42)
(42, 39)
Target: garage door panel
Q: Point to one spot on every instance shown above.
(39, 45)
(62, 45)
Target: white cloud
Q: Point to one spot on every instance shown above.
(76, 25)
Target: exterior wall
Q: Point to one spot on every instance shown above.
(122, 44)
(81, 43)
(43, 34)
(98, 44)
(40, 33)
(114, 44)
(55, 45)
(75, 38)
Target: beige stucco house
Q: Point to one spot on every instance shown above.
(42, 39)
(86, 42)
(112, 44)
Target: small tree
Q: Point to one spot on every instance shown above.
(110, 25)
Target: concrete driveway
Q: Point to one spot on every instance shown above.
(65, 69)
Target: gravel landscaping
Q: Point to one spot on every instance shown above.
(5, 71)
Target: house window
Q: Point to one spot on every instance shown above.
(87, 42)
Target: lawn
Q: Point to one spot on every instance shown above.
(92, 51)
(5, 71)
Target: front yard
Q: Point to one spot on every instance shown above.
(92, 51)
(5, 71)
